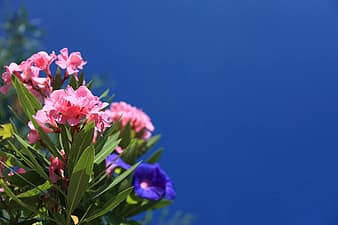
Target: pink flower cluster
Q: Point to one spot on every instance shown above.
(138, 120)
(29, 71)
(69, 106)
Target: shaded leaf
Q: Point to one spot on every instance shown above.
(111, 204)
(79, 179)
(35, 191)
(118, 180)
(110, 145)
(155, 157)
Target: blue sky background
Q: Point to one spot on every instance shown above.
(244, 92)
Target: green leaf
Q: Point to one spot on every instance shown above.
(104, 94)
(135, 210)
(26, 149)
(131, 153)
(101, 140)
(118, 180)
(133, 199)
(110, 205)
(36, 191)
(81, 78)
(30, 105)
(79, 179)
(28, 160)
(81, 141)
(65, 138)
(125, 136)
(73, 82)
(163, 203)
(155, 156)
(58, 80)
(110, 145)
(10, 194)
(89, 84)
(152, 141)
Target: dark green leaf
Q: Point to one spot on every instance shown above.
(57, 80)
(81, 141)
(73, 82)
(30, 105)
(10, 194)
(79, 179)
(131, 153)
(152, 141)
(26, 149)
(35, 191)
(125, 136)
(110, 145)
(110, 205)
(89, 84)
(118, 180)
(155, 156)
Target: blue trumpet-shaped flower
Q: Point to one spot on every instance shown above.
(152, 183)
(114, 161)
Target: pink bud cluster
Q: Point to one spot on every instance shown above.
(57, 168)
(29, 71)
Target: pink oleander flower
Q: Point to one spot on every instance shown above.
(138, 120)
(57, 168)
(43, 60)
(13, 68)
(28, 72)
(71, 62)
(101, 119)
(71, 106)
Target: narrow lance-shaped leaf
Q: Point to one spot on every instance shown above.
(117, 180)
(104, 94)
(152, 141)
(110, 145)
(79, 179)
(25, 150)
(155, 156)
(10, 194)
(36, 191)
(81, 141)
(111, 204)
(29, 104)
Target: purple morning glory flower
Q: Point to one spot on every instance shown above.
(114, 161)
(152, 183)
